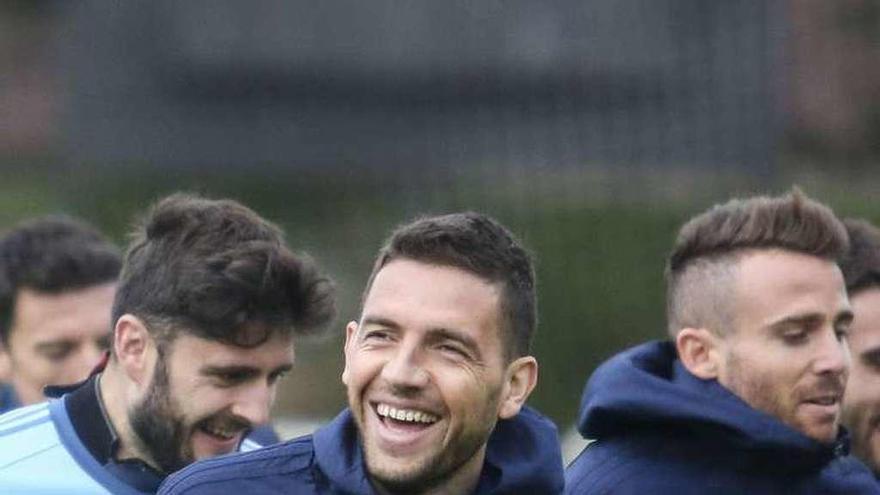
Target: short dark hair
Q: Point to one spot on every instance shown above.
(708, 245)
(861, 265)
(52, 254)
(217, 270)
(480, 245)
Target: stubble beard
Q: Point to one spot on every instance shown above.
(758, 392)
(431, 471)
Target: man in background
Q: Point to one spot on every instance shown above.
(437, 370)
(208, 303)
(57, 282)
(746, 395)
(861, 404)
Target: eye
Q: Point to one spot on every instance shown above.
(57, 353)
(453, 350)
(377, 336)
(872, 359)
(795, 336)
(841, 332)
(231, 378)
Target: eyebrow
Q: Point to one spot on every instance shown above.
(217, 370)
(44, 347)
(810, 319)
(379, 321)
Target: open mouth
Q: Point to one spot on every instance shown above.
(830, 400)
(400, 418)
(404, 416)
(221, 431)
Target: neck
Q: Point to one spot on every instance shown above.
(462, 480)
(115, 391)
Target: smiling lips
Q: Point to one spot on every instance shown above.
(405, 415)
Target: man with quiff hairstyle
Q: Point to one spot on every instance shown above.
(209, 302)
(745, 395)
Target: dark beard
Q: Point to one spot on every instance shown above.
(157, 426)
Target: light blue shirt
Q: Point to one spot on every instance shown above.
(40, 452)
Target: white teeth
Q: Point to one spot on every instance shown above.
(220, 432)
(408, 415)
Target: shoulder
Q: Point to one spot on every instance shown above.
(848, 475)
(257, 471)
(643, 464)
(34, 458)
(25, 431)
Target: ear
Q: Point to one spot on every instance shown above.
(698, 349)
(131, 345)
(520, 379)
(350, 331)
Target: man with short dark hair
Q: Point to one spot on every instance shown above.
(861, 402)
(437, 371)
(208, 303)
(57, 281)
(746, 395)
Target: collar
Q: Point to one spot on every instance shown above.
(93, 427)
(522, 456)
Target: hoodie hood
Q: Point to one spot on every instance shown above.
(647, 388)
(522, 456)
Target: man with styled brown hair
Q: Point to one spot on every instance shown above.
(861, 402)
(208, 303)
(745, 395)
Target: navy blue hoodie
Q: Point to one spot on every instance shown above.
(522, 457)
(659, 429)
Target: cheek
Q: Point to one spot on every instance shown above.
(360, 371)
(863, 386)
(467, 394)
(38, 368)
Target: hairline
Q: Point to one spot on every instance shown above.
(733, 259)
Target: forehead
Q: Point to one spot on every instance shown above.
(420, 295)
(772, 284)
(191, 353)
(70, 314)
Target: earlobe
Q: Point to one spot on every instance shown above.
(521, 377)
(697, 350)
(350, 331)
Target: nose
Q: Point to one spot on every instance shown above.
(253, 404)
(405, 370)
(833, 355)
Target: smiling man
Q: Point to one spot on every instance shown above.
(208, 304)
(745, 396)
(57, 282)
(437, 371)
(861, 405)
